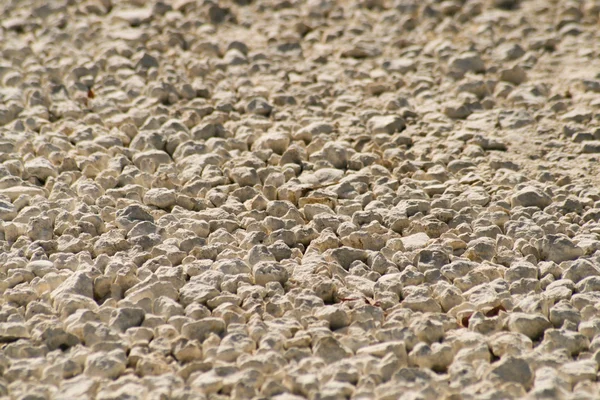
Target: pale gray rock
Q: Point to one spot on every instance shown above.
(278, 142)
(336, 154)
(195, 291)
(563, 311)
(563, 339)
(144, 60)
(590, 147)
(260, 253)
(511, 369)
(106, 365)
(12, 331)
(110, 243)
(149, 160)
(265, 272)
(456, 110)
(126, 317)
(151, 289)
(580, 269)
(509, 119)
(160, 197)
(459, 65)
(344, 256)
(386, 124)
(510, 344)
(481, 249)
(330, 349)
(515, 75)
(312, 129)
(521, 270)
(360, 50)
(336, 317)
(245, 176)
(129, 216)
(58, 338)
(40, 168)
(509, 51)
(530, 325)
(579, 371)
(579, 114)
(199, 330)
(415, 241)
(259, 106)
(79, 283)
(530, 196)
(559, 248)
(7, 211)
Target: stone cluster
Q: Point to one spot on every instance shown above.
(287, 199)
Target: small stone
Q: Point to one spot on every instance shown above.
(58, 338)
(563, 311)
(466, 62)
(259, 106)
(521, 270)
(131, 215)
(265, 272)
(196, 292)
(591, 147)
(415, 241)
(200, 330)
(581, 269)
(559, 248)
(381, 350)
(344, 256)
(509, 51)
(481, 249)
(511, 369)
(579, 371)
(146, 61)
(510, 343)
(40, 168)
(580, 115)
(106, 365)
(515, 75)
(509, 119)
(361, 50)
(330, 349)
(245, 176)
(127, 317)
(79, 283)
(278, 142)
(134, 16)
(530, 325)
(335, 154)
(7, 211)
(337, 317)
(160, 197)
(530, 196)
(456, 110)
(565, 339)
(386, 124)
(13, 331)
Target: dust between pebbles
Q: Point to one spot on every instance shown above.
(299, 199)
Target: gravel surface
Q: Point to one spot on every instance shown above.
(369, 199)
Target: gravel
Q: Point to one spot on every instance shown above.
(373, 199)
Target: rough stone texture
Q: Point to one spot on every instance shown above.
(322, 199)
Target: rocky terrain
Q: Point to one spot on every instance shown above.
(285, 199)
